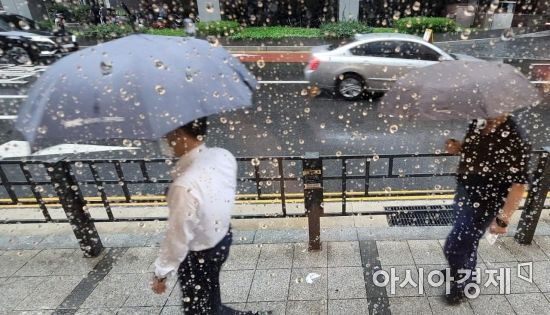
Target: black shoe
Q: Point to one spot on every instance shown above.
(456, 294)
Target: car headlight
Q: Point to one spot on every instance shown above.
(43, 40)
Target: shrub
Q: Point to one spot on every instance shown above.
(217, 28)
(105, 31)
(78, 13)
(417, 25)
(344, 29)
(276, 32)
(164, 31)
(45, 24)
(383, 30)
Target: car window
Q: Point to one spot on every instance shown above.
(375, 49)
(17, 22)
(5, 25)
(417, 51)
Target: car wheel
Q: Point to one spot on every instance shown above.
(18, 55)
(351, 86)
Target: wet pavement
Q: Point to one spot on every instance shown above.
(42, 272)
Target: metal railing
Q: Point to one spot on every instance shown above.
(77, 184)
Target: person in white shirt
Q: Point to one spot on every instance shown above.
(200, 200)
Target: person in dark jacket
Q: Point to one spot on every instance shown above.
(492, 177)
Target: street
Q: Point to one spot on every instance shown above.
(285, 120)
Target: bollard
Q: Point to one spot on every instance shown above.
(535, 200)
(73, 204)
(313, 197)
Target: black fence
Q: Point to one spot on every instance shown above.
(75, 185)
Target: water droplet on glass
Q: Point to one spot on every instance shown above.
(213, 40)
(470, 10)
(303, 92)
(416, 6)
(393, 128)
(160, 89)
(106, 67)
(307, 110)
(159, 64)
(255, 161)
(42, 129)
(127, 142)
(375, 158)
(505, 134)
(260, 63)
(209, 7)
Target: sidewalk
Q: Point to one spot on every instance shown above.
(42, 271)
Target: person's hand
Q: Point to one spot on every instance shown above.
(453, 146)
(497, 229)
(158, 285)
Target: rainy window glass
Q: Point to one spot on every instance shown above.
(274, 157)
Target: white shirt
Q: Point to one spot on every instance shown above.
(200, 200)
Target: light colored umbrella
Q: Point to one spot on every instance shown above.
(137, 87)
(459, 89)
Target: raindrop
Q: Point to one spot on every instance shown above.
(106, 67)
(127, 142)
(416, 6)
(187, 299)
(507, 35)
(201, 261)
(255, 161)
(159, 64)
(299, 280)
(209, 7)
(307, 110)
(261, 64)
(505, 134)
(78, 164)
(338, 153)
(213, 40)
(393, 128)
(303, 92)
(323, 125)
(160, 89)
(223, 120)
(466, 34)
(396, 15)
(42, 129)
(476, 204)
(375, 158)
(470, 10)
(188, 77)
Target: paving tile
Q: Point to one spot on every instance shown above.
(426, 252)
(59, 241)
(517, 285)
(280, 236)
(243, 237)
(13, 260)
(394, 253)
(491, 305)
(528, 304)
(524, 253)
(142, 295)
(175, 297)
(432, 290)
(276, 256)
(15, 289)
(44, 263)
(270, 285)
(18, 242)
(301, 290)
(497, 252)
(172, 310)
(400, 272)
(348, 307)
(40, 312)
(97, 311)
(112, 291)
(139, 311)
(541, 270)
(305, 259)
(277, 308)
(343, 254)
(439, 306)
(338, 234)
(409, 305)
(235, 285)
(124, 240)
(544, 243)
(136, 260)
(50, 293)
(319, 307)
(346, 283)
(242, 257)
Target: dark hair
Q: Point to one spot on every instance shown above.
(196, 128)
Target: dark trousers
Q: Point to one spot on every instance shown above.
(199, 278)
(475, 207)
